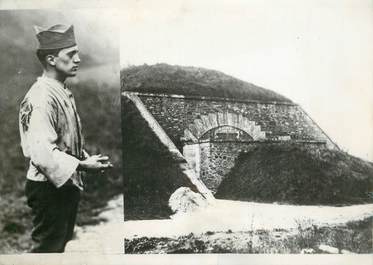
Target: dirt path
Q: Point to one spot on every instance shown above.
(108, 237)
(247, 216)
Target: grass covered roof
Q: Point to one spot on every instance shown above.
(192, 81)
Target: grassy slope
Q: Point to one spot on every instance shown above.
(168, 79)
(147, 187)
(290, 173)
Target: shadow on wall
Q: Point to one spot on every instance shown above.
(151, 174)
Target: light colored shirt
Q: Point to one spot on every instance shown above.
(50, 133)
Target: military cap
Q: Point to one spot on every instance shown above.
(56, 37)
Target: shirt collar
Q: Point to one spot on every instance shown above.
(51, 80)
(55, 82)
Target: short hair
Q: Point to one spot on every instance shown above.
(43, 53)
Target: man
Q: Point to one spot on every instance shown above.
(51, 138)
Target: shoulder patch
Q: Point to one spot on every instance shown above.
(25, 114)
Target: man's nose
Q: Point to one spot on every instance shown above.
(76, 59)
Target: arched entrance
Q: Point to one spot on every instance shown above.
(213, 142)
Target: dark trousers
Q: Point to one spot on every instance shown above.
(54, 212)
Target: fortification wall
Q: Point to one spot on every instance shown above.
(218, 159)
(176, 113)
(210, 155)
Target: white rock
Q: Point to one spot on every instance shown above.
(184, 200)
(329, 249)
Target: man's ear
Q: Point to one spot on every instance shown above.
(51, 59)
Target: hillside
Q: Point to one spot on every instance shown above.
(291, 173)
(193, 81)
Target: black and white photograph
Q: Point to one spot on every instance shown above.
(247, 128)
(61, 177)
(186, 132)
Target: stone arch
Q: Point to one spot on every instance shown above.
(225, 129)
(210, 121)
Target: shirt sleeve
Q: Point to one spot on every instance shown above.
(55, 164)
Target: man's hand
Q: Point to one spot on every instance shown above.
(95, 163)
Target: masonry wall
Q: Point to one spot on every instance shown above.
(219, 158)
(175, 113)
(216, 158)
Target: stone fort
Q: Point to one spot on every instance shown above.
(211, 126)
(211, 132)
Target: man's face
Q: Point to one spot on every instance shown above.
(67, 61)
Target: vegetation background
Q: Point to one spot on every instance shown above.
(97, 95)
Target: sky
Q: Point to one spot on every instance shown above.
(317, 53)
